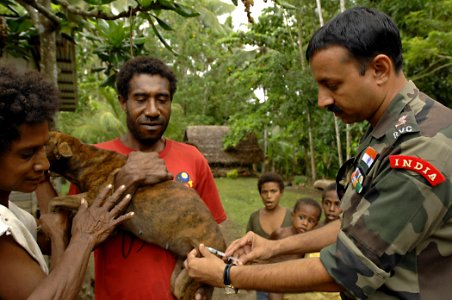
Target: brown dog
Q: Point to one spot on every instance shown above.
(167, 214)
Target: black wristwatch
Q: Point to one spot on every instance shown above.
(228, 288)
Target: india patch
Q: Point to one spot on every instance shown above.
(420, 166)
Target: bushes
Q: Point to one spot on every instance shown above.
(233, 174)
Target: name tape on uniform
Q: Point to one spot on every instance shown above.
(418, 165)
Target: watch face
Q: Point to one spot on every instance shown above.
(230, 290)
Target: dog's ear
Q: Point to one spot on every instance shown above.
(64, 149)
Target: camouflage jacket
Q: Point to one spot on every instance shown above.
(395, 240)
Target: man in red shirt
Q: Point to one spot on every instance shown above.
(125, 266)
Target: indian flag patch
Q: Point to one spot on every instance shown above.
(368, 158)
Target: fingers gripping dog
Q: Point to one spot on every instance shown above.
(167, 214)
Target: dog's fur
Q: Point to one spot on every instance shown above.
(167, 214)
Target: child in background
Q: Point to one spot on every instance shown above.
(331, 204)
(305, 217)
(331, 209)
(272, 216)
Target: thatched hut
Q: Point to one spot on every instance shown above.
(210, 141)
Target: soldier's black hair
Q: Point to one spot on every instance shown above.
(307, 201)
(270, 177)
(364, 32)
(143, 65)
(25, 98)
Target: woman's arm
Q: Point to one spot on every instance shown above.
(54, 233)
(44, 193)
(19, 272)
(21, 276)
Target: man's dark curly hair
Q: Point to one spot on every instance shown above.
(143, 65)
(25, 98)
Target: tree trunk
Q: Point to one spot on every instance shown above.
(308, 114)
(348, 138)
(264, 164)
(342, 3)
(338, 141)
(319, 11)
(48, 63)
(47, 42)
(311, 148)
(336, 123)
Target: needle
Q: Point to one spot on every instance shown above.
(221, 254)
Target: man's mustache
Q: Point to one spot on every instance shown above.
(147, 119)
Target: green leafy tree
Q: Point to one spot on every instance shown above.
(67, 17)
(282, 119)
(105, 45)
(427, 42)
(222, 73)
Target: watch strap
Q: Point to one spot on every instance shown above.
(229, 289)
(227, 274)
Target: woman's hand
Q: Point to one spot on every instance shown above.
(98, 221)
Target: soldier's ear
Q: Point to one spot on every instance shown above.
(382, 68)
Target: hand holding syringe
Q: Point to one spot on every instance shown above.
(231, 260)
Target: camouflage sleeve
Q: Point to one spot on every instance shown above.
(398, 212)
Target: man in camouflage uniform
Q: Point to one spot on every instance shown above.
(396, 234)
(394, 240)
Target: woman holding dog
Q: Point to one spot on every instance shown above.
(27, 106)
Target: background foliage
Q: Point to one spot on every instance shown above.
(254, 79)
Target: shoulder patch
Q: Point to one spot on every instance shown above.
(418, 165)
(406, 123)
(401, 121)
(368, 159)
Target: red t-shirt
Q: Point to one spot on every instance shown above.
(128, 268)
